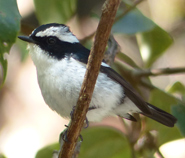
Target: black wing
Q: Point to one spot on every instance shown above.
(130, 92)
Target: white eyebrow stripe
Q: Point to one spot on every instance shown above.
(61, 33)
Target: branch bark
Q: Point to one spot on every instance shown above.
(94, 62)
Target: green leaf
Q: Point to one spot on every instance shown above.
(163, 101)
(2, 156)
(59, 11)
(153, 44)
(177, 87)
(105, 143)
(128, 2)
(126, 59)
(47, 151)
(10, 25)
(179, 112)
(132, 23)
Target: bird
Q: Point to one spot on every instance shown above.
(61, 60)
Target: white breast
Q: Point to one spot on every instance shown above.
(60, 83)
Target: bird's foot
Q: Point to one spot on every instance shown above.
(86, 120)
(63, 136)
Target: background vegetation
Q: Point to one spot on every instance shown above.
(151, 38)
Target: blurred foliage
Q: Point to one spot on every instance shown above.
(179, 110)
(23, 50)
(178, 88)
(2, 156)
(164, 134)
(96, 145)
(47, 151)
(99, 140)
(132, 23)
(152, 41)
(59, 11)
(10, 25)
(123, 57)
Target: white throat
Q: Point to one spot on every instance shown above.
(40, 58)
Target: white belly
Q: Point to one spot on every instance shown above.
(61, 83)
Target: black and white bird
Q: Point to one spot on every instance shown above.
(61, 61)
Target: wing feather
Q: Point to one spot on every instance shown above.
(130, 92)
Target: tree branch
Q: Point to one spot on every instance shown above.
(94, 62)
(157, 72)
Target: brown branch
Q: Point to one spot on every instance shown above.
(97, 52)
(157, 72)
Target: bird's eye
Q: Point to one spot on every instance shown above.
(51, 41)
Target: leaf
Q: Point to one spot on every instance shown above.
(59, 11)
(47, 151)
(177, 87)
(10, 25)
(2, 156)
(123, 57)
(105, 143)
(128, 2)
(179, 112)
(153, 44)
(163, 101)
(132, 23)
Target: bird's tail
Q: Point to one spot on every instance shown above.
(161, 116)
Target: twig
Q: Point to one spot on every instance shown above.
(157, 72)
(107, 18)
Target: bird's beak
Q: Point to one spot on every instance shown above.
(26, 38)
